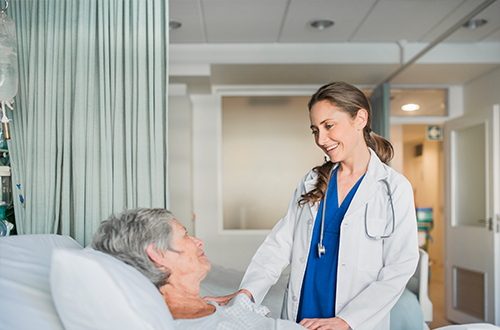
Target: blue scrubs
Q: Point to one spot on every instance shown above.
(317, 299)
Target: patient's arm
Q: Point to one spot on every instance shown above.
(224, 300)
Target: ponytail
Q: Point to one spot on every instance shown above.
(382, 147)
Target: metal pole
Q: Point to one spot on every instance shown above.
(443, 36)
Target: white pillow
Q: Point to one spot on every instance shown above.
(93, 290)
(25, 299)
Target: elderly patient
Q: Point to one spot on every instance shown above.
(156, 244)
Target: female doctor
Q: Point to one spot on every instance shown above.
(351, 260)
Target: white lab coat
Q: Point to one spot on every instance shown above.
(371, 274)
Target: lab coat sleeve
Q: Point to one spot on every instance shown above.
(400, 258)
(275, 252)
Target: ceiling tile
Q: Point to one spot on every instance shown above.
(347, 15)
(492, 15)
(243, 21)
(394, 20)
(358, 22)
(462, 10)
(432, 102)
(493, 37)
(188, 12)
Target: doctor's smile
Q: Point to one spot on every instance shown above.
(331, 148)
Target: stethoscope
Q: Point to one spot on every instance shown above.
(321, 247)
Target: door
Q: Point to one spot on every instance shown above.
(472, 244)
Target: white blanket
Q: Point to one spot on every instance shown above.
(240, 313)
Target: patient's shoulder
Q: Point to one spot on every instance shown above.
(257, 316)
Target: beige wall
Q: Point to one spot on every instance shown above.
(267, 146)
(231, 250)
(396, 137)
(180, 159)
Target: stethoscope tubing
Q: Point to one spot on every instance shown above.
(321, 247)
(378, 237)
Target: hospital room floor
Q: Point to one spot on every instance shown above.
(436, 295)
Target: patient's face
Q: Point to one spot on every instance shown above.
(191, 259)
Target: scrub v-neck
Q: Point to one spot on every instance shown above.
(317, 299)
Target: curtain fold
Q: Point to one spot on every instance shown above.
(89, 128)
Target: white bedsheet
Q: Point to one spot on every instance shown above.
(221, 281)
(240, 313)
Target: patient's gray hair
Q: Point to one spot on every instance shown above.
(127, 236)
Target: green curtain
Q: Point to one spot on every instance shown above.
(89, 126)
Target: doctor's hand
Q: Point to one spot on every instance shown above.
(335, 323)
(224, 300)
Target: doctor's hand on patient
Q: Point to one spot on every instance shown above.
(335, 323)
(224, 300)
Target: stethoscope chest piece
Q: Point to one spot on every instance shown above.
(321, 250)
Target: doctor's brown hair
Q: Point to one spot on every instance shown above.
(350, 100)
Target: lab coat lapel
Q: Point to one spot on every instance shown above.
(309, 185)
(370, 184)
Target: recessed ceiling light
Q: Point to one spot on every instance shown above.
(320, 24)
(410, 107)
(172, 25)
(475, 23)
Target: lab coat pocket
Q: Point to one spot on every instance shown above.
(370, 253)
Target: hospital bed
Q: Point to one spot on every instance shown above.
(412, 311)
(49, 282)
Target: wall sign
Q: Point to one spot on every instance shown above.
(435, 132)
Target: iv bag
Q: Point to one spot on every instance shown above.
(8, 59)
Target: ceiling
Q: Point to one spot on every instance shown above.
(268, 42)
(285, 21)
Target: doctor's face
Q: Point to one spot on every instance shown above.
(335, 132)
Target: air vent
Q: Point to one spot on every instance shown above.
(419, 150)
(469, 292)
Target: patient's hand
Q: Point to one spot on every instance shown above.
(224, 300)
(335, 323)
